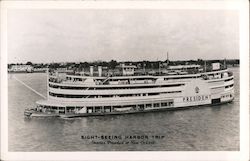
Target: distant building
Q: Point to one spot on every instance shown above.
(127, 69)
(21, 68)
(183, 67)
(40, 69)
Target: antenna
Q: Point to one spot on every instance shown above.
(47, 71)
(225, 63)
(205, 66)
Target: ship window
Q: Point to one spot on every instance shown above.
(229, 86)
(153, 94)
(54, 108)
(156, 104)
(98, 109)
(107, 108)
(148, 105)
(172, 92)
(164, 104)
(228, 79)
(141, 106)
(133, 106)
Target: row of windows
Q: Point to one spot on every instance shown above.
(182, 77)
(55, 80)
(229, 79)
(101, 109)
(108, 96)
(109, 88)
(127, 80)
(130, 107)
(74, 79)
(229, 86)
(226, 96)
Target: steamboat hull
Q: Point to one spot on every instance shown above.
(34, 113)
(136, 112)
(80, 96)
(75, 115)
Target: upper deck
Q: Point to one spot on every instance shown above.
(136, 77)
(103, 86)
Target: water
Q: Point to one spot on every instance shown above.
(209, 128)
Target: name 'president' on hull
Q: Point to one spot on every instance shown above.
(130, 91)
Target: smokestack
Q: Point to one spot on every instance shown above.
(91, 70)
(100, 71)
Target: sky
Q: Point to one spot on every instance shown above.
(63, 35)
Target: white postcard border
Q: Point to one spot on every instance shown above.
(241, 6)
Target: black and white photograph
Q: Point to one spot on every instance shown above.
(123, 79)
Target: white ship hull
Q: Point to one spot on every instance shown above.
(86, 96)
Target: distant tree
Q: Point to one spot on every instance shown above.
(146, 64)
(104, 63)
(29, 63)
(85, 64)
(113, 64)
(200, 62)
(54, 65)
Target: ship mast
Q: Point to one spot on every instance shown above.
(144, 70)
(205, 66)
(225, 63)
(47, 82)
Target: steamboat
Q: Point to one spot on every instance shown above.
(97, 93)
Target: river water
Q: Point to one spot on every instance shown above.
(207, 128)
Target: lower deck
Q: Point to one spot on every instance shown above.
(81, 111)
(73, 115)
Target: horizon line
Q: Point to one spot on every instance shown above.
(94, 61)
